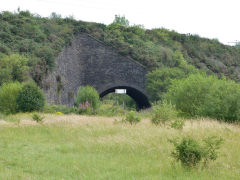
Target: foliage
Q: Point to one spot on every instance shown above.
(59, 108)
(8, 97)
(222, 101)
(211, 145)
(190, 93)
(132, 117)
(85, 108)
(13, 68)
(207, 96)
(178, 124)
(121, 20)
(36, 117)
(42, 39)
(30, 98)
(110, 109)
(87, 94)
(190, 152)
(163, 112)
(120, 99)
(159, 80)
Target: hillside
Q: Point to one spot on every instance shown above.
(41, 39)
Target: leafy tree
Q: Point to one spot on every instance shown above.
(8, 97)
(13, 68)
(30, 98)
(206, 96)
(87, 94)
(159, 80)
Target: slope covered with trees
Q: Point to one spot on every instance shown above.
(38, 41)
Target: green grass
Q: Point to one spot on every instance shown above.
(85, 148)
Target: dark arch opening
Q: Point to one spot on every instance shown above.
(140, 98)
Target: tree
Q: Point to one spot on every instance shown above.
(30, 98)
(13, 68)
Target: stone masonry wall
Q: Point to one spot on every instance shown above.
(89, 62)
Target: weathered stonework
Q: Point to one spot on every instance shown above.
(89, 62)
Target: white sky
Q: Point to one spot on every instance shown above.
(208, 18)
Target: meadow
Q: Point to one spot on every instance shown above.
(96, 147)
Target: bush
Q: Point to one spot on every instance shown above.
(223, 101)
(159, 80)
(36, 117)
(8, 97)
(190, 93)
(206, 96)
(13, 68)
(163, 112)
(30, 98)
(190, 152)
(87, 94)
(132, 117)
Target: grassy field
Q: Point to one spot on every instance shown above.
(86, 147)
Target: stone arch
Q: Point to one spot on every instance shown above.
(88, 61)
(139, 97)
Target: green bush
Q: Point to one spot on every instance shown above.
(87, 95)
(189, 94)
(30, 98)
(206, 96)
(8, 97)
(222, 101)
(163, 112)
(132, 117)
(190, 152)
(36, 117)
(13, 68)
(159, 80)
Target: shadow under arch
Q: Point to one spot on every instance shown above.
(140, 98)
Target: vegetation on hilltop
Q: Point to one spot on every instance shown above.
(41, 39)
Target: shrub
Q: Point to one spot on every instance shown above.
(13, 68)
(30, 98)
(36, 117)
(206, 96)
(87, 94)
(132, 117)
(190, 93)
(190, 152)
(163, 112)
(223, 101)
(8, 97)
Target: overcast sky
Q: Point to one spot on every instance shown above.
(208, 18)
